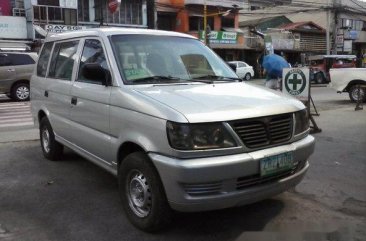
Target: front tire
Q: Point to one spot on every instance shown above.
(142, 193)
(319, 78)
(354, 92)
(51, 149)
(247, 76)
(20, 92)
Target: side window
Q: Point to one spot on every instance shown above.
(43, 59)
(62, 61)
(4, 60)
(21, 59)
(240, 65)
(92, 53)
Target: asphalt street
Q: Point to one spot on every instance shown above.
(73, 199)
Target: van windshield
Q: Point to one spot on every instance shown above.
(154, 59)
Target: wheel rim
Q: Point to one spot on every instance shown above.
(138, 193)
(46, 140)
(356, 92)
(22, 92)
(247, 77)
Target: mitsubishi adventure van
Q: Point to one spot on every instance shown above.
(172, 121)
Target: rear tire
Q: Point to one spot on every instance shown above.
(142, 193)
(247, 76)
(51, 149)
(353, 93)
(20, 92)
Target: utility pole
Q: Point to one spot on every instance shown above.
(336, 6)
(328, 27)
(150, 12)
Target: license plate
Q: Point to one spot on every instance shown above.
(276, 164)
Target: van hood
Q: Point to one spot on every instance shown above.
(221, 101)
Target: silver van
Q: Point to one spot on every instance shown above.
(16, 69)
(170, 119)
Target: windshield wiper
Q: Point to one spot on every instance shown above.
(154, 78)
(217, 77)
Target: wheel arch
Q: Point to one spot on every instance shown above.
(352, 83)
(40, 115)
(127, 148)
(21, 81)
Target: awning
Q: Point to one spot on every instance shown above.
(166, 8)
(14, 46)
(236, 30)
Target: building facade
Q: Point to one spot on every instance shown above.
(344, 20)
(65, 15)
(29, 21)
(222, 20)
(13, 27)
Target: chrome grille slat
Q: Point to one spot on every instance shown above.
(255, 137)
(264, 131)
(279, 132)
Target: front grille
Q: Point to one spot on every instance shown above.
(202, 189)
(264, 131)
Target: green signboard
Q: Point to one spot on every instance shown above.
(220, 37)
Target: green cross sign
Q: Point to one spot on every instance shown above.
(295, 81)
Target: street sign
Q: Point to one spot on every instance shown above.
(296, 82)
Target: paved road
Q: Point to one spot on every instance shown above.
(75, 200)
(16, 122)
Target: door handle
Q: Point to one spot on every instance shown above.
(74, 100)
(46, 93)
(11, 70)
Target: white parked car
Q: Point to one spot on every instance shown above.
(243, 70)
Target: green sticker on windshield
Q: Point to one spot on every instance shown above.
(132, 74)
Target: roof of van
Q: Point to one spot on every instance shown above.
(112, 31)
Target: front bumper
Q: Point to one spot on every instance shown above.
(225, 181)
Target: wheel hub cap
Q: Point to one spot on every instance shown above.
(139, 195)
(358, 92)
(46, 140)
(22, 93)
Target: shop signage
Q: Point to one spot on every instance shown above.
(13, 27)
(347, 47)
(113, 5)
(69, 4)
(220, 37)
(296, 82)
(352, 34)
(52, 28)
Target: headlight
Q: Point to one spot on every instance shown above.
(198, 136)
(301, 121)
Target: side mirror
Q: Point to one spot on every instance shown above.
(95, 72)
(232, 66)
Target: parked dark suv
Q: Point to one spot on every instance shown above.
(15, 72)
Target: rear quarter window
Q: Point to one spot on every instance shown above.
(62, 61)
(21, 59)
(44, 59)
